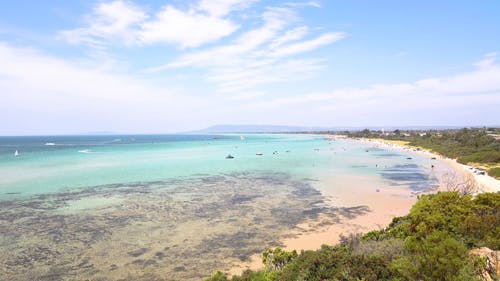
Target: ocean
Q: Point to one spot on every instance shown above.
(47, 164)
(144, 207)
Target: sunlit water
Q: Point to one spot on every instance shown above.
(174, 207)
(53, 163)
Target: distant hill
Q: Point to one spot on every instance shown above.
(256, 129)
(231, 128)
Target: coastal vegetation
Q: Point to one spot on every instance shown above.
(432, 242)
(478, 147)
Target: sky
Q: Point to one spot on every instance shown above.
(158, 66)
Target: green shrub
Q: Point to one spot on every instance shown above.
(438, 256)
(218, 276)
(494, 172)
(430, 243)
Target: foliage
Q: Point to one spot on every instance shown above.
(218, 276)
(494, 172)
(438, 256)
(336, 263)
(430, 243)
(277, 258)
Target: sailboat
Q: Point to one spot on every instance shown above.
(16, 153)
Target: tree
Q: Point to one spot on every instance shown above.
(276, 259)
(438, 256)
(463, 185)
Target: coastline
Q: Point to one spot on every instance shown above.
(384, 203)
(486, 183)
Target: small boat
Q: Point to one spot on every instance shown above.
(50, 144)
(16, 153)
(259, 154)
(242, 138)
(409, 158)
(229, 156)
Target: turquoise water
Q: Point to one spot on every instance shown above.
(146, 207)
(52, 163)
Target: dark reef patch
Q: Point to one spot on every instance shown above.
(163, 230)
(411, 175)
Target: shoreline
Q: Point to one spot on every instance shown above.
(384, 204)
(486, 183)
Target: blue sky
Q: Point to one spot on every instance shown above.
(169, 66)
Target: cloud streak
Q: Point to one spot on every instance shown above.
(39, 91)
(44, 94)
(483, 81)
(270, 53)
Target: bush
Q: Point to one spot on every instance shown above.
(494, 172)
(438, 256)
(430, 243)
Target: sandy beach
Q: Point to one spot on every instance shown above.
(486, 183)
(383, 203)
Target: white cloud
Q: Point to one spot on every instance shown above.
(309, 45)
(112, 21)
(290, 36)
(39, 92)
(488, 60)
(303, 4)
(260, 55)
(235, 79)
(447, 100)
(187, 29)
(480, 83)
(44, 94)
(121, 22)
(220, 8)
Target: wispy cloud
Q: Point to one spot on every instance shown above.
(482, 81)
(266, 54)
(116, 21)
(39, 91)
(306, 46)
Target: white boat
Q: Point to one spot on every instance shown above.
(242, 138)
(16, 153)
(50, 144)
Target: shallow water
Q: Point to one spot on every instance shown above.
(172, 207)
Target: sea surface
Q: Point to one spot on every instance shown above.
(47, 164)
(163, 207)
